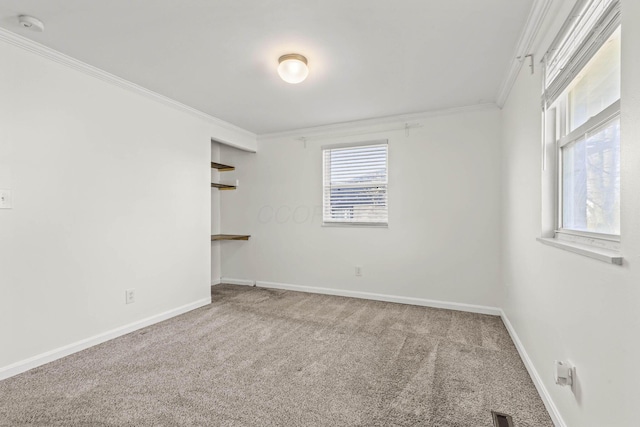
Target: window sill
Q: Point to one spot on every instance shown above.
(605, 255)
(354, 225)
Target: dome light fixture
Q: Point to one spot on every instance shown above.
(293, 68)
(31, 23)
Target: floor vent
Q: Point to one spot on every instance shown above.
(501, 420)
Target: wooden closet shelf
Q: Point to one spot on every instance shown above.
(223, 186)
(221, 167)
(216, 237)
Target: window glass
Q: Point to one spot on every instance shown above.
(598, 84)
(355, 185)
(591, 181)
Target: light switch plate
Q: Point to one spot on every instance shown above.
(6, 199)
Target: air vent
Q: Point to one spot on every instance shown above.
(501, 420)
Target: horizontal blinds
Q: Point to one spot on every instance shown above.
(591, 23)
(355, 184)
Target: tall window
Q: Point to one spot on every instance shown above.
(355, 184)
(582, 91)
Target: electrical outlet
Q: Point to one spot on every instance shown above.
(358, 271)
(6, 199)
(130, 296)
(564, 373)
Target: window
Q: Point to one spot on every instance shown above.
(582, 95)
(355, 184)
(590, 146)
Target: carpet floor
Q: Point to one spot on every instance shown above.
(260, 357)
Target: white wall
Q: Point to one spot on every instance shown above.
(110, 192)
(563, 305)
(443, 240)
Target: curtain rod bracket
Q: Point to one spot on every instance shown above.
(531, 62)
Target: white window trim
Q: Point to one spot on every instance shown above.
(602, 247)
(598, 246)
(606, 255)
(594, 123)
(356, 224)
(346, 224)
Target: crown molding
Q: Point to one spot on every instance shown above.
(59, 57)
(537, 14)
(379, 124)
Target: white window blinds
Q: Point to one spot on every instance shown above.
(589, 26)
(355, 184)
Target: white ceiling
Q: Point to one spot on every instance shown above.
(367, 58)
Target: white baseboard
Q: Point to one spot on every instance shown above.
(533, 373)
(371, 296)
(242, 282)
(215, 282)
(58, 353)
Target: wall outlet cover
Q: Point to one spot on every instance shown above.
(564, 373)
(130, 296)
(6, 199)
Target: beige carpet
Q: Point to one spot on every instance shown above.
(259, 357)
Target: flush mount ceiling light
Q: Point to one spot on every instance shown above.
(31, 23)
(293, 68)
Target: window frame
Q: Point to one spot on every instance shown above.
(359, 144)
(564, 138)
(585, 32)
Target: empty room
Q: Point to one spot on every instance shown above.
(320, 213)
